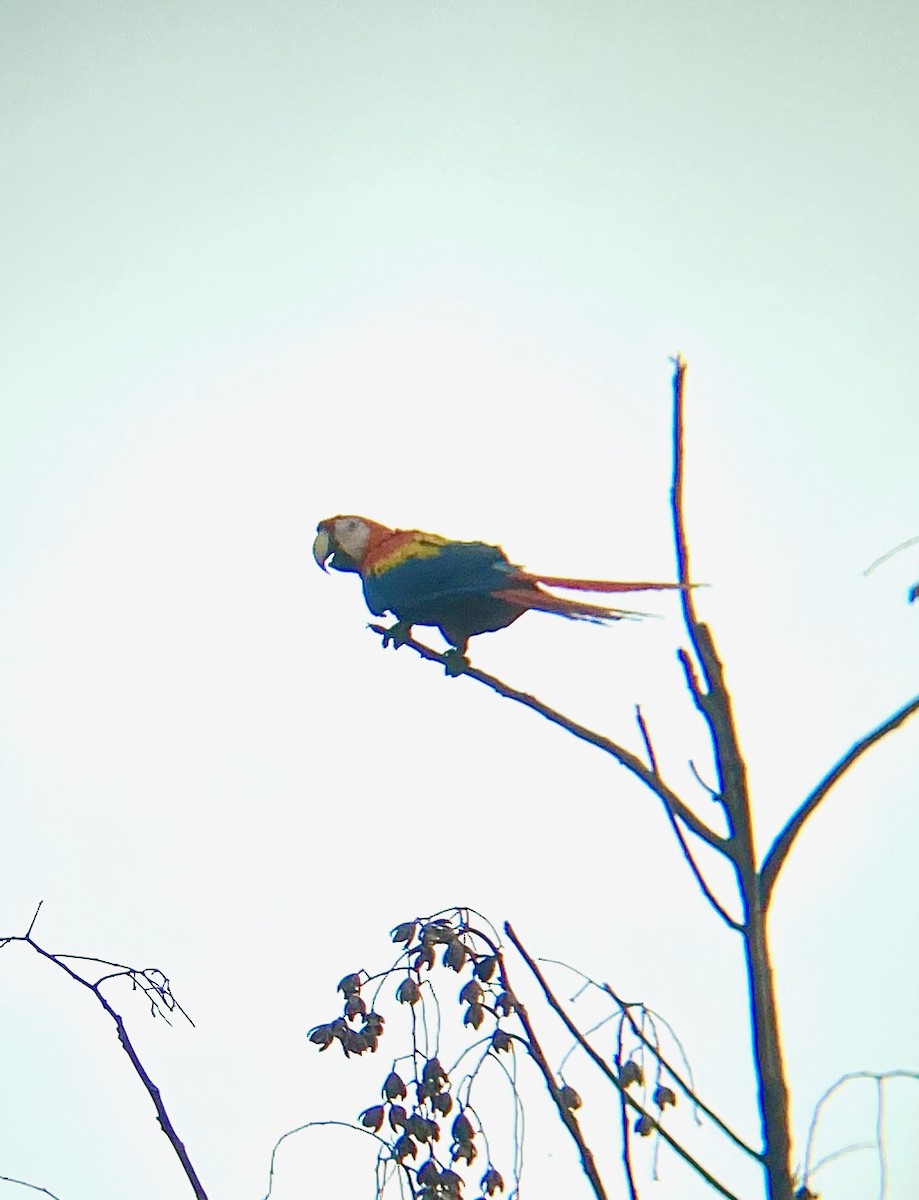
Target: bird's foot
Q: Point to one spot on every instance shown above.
(455, 662)
(397, 635)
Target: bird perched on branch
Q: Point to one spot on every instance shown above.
(462, 588)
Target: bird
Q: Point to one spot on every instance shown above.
(461, 588)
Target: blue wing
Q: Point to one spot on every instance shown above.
(414, 589)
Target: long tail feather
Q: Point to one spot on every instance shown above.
(601, 585)
(578, 609)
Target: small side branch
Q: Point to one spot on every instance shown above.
(775, 859)
(678, 832)
(33, 1186)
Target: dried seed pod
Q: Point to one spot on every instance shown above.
(394, 1087)
(408, 991)
(404, 932)
(471, 993)
(397, 1116)
(372, 1118)
(422, 1128)
(631, 1073)
(455, 955)
(464, 1153)
(501, 1040)
(461, 1129)
(569, 1097)
(437, 932)
(491, 1181)
(355, 1006)
(475, 1015)
(353, 1042)
(350, 984)
(485, 967)
(433, 1072)
(404, 1148)
(450, 1183)
(664, 1096)
(424, 958)
(429, 1173)
(322, 1036)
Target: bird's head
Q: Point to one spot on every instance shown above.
(341, 542)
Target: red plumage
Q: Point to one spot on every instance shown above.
(463, 588)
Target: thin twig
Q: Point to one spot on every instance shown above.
(783, 843)
(879, 1138)
(316, 1125)
(624, 1119)
(877, 1077)
(842, 1152)
(646, 738)
(33, 1186)
(700, 880)
(625, 757)
(681, 1083)
(711, 791)
(608, 1072)
(890, 553)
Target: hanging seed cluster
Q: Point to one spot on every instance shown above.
(414, 1116)
(631, 1074)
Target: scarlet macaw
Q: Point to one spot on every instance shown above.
(462, 588)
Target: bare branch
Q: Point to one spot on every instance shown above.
(625, 757)
(607, 1070)
(33, 1186)
(775, 859)
(128, 1047)
(890, 553)
(715, 701)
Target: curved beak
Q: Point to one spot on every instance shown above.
(322, 548)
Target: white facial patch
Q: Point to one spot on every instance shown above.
(352, 535)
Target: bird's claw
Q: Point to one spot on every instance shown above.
(397, 635)
(455, 663)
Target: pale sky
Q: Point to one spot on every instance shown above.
(427, 261)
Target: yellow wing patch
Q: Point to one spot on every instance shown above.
(410, 545)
